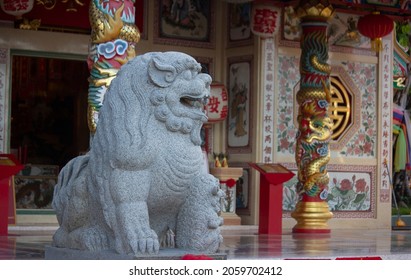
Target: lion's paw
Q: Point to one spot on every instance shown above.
(148, 245)
(95, 239)
(138, 243)
(60, 237)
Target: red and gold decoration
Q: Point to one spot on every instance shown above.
(71, 5)
(217, 106)
(314, 124)
(265, 18)
(375, 26)
(230, 195)
(114, 37)
(16, 8)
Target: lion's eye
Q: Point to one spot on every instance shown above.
(187, 75)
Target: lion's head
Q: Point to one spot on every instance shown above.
(181, 93)
(168, 86)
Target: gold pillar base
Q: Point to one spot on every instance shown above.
(311, 217)
(312, 244)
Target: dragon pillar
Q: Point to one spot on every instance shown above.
(314, 124)
(113, 39)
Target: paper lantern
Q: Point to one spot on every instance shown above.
(217, 107)
(375, 26)
(16, 8)
(265, 19)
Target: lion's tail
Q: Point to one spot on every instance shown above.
(71, 182)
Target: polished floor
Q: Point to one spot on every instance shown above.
(243, 242)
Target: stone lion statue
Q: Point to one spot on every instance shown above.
(129, 192)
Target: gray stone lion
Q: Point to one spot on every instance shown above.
(129, 192)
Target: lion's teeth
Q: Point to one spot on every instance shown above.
(198, 103)
(204, 100)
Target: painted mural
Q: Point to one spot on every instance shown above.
(363, 141)
(239, 114)
(363, 144)
(342, 30)
(351, 190)
(288, 77)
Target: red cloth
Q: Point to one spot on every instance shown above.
(195, 257)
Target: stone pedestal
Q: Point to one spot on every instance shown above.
(55, 253)
(228, 207)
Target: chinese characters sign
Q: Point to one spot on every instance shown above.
(386, 113)
(268, 93)
(265, 20)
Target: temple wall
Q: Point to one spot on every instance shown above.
(360, 195)
(359, 188)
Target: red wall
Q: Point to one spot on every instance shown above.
(59, 17)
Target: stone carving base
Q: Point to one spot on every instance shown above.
(55, 253)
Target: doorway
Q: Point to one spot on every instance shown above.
(48, 108)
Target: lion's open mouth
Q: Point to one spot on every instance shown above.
(194, 102)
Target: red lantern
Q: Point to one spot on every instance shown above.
(217, 107)
(265, 18)
(375, 26)
(16, 7)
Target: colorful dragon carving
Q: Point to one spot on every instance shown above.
(113, 36)
(315, 126)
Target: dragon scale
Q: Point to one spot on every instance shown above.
(315, 126)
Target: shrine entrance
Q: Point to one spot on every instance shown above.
(48, 108)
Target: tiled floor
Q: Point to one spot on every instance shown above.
(385, 244)
(243, 242)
